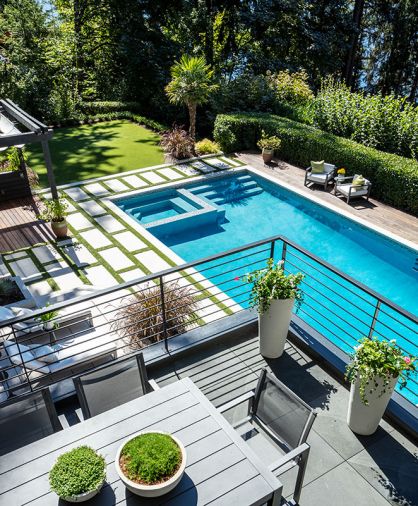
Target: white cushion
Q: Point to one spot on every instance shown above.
(26, 326)
(44, 353)
(317, 178)
(12, 350)
(358, 192)
(5, 313)
(328, 167)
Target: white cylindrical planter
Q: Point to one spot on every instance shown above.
(84, 497)
(273, 326)
(364, 419)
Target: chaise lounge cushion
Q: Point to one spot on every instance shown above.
(44, 353)
(18, 352)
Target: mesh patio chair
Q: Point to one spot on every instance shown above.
(113, 384)
(276, 415)
(26, 419)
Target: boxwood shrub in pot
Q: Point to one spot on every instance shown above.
(268, 145)
(78, 475)
(151, 464)
(376, 367)
(274, 294)
(55, 212)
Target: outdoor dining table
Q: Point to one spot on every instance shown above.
(221, 467)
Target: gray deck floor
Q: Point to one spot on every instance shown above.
(344, 469)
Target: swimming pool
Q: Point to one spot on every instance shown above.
(254, 208)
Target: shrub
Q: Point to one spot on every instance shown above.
(140, 320)
(388, 123)
(375, 358)
(269, 141)
(178, 143)
(55, 210)
(9, 291)
(206, 147)
(291, 88)
(77, 471)
(394, 178)
(150, 458)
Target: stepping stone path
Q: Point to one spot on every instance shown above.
(97, 189)
(135, 181)
(92, 208)
(116, 259)
(78, 221)
(116, 185)
(130, 241)
(95, 238)
(153, 177)
(110, 224)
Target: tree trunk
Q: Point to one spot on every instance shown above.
(351, 56)
(192, 119)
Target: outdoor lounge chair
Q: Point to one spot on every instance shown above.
(26, 419)
(277, 424)
(113, 384)
(323, 179)
(349, 190)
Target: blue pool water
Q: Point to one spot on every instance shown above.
(256, 209)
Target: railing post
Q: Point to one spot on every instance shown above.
(163, 313)
(284, 249)
(23, 365)
(375, 315)
(273, 243)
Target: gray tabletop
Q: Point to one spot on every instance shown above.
(221, 468)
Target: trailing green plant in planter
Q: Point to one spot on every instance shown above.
(384, 359)
(78, 472)
(273, 294)
(268, 144)
(47, 319)
(272, 283)
(55, 212)
(376, 367)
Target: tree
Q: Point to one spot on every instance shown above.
(354, 42)
(191, 84)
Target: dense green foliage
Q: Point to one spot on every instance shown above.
(77, 471)
(206, 147)
(388, 123)
(374, 358)
(151, 458)
(394, 178)
(271, 283)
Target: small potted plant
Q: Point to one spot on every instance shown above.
(341, 175)
(273, 294)
(150, 464)
(376, 367)
(268, 144)
(55, 212)
(78, 475)
(47, 319)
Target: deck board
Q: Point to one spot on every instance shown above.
(395, 221)
(19, 227)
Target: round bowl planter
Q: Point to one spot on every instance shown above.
(364, 419)
(273, 326)
(59, 228)
(267, 155)
(49, 325)
(159, 489)
(84, 497)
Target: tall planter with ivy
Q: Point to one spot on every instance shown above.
(274, 294)
(374, 371)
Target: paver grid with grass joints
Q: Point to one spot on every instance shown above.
(105, 250)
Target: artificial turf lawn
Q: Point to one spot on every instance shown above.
(90, 151)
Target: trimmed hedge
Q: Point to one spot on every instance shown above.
(109, 106)
(394, 178)
(94, 117)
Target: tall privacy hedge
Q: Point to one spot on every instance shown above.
(394, 178)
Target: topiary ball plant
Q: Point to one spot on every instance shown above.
(150, 458)
(77, 472)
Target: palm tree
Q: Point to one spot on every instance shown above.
(191, 85)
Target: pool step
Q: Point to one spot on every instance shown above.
(244, 195)
(223, 192)
(245, 178)
(415, 267)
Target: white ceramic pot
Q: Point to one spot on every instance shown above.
(364, 419)
(49, 325)
(152, 490)
(273, 326)
(84, 497)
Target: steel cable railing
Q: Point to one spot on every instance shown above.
(339, 307)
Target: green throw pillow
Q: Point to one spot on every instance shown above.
(358, 180)
(317, 167)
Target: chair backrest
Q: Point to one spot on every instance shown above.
(328, 167)
(111, 385)
(26, 419)
(281, 411)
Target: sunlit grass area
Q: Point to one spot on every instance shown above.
(90, 151)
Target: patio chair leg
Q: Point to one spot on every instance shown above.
(303, 460)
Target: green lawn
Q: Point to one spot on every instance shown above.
(90, 151)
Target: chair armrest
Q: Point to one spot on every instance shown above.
(286, 461)
(153, 384)
(236, 402)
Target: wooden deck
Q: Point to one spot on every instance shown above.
(382, 215)
(19, 227)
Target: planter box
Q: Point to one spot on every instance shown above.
(13, 185)
(28, 300)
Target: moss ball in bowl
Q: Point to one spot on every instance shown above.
(151, 463)
(78, 475)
